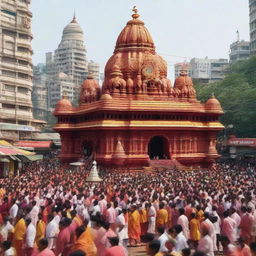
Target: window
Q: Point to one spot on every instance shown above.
(23, 90)
(23, 62)
(8, 73)
(9, 12)
(24, 108)
(23, 36)
(9, 88)
(8, 60)
(23, 49)
(8, 106)
(9, 45)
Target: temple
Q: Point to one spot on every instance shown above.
(137, 118)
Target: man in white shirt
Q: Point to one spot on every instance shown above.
(30, 237)
(13, 211)
(183, 221)
(33, 214)
(181, 241)
(206, 244)
(51, 231)
(163, 238)
(151, 218)
(7, 250)
(6, 229)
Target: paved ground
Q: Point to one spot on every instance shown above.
(137, 251)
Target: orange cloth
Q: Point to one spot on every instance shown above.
(85, 243)
(134, 229)
(18, 236)
(194, 226)
(143, 216)
(200, 215)
(40, 230)
(162, 217)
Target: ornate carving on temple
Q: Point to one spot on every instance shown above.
(90, 91)
(116, 83)
(183, 85)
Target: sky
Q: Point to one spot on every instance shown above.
(181, 29)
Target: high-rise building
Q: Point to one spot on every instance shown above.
(252, 8)
(16, 69)
(239, 50)
(70, 56)
(208, 70)
(68, 67)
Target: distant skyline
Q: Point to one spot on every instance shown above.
(181, 29)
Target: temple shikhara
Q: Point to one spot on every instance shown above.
(138, 118)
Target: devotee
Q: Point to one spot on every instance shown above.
(7, 249)
(242, 248)
(19, 234)
(43, 249)
(183, 221)
(246, 225)
(115, 249)
(7, 229)
(51, 231)
(194, 226)
(162, 216)
(30, 237)
(206, 243)
(134, 230)
(181, 240)
(229, 227)
(153, 248)
(151, 218)
(40, 228)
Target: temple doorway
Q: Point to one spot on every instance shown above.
(87, 150)
(158, 148)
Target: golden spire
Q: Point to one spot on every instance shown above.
(135, 15)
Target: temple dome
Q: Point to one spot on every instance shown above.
(63, 105)
(90, 90)
(90, 84)
(135, 63)
(135, 35)
(183, 85)
(73, 31)
(213, 104)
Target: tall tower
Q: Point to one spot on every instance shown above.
(252, 7)
(16, 65)
(70, 57)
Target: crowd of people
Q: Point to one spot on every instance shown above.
(50, 210)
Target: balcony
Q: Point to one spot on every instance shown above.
(16, 81)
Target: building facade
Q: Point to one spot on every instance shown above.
(65, 69)
(16, 68)
(252, 14)
(40, 93)
(208, 70)
(239, 50)
(137, 118)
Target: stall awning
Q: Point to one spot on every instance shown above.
(7, 149)
(31, 158)
(34, 144)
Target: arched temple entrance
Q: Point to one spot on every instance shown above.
(158, 148)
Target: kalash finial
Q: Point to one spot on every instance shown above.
(135, 15)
